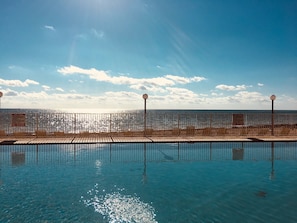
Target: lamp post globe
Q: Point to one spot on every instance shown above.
(145, 96)
(272, 97)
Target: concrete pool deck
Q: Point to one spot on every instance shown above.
(12, 140)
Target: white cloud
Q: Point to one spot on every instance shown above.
(77, 97)
(59, 89)
(197, 79)
(49, 27)
(184, 80)
(165, 92)
(149, 88)
(92, 73)
(180, 96)
(30, 82)
(178, 79)
(100, 75)
(123, 95)
(260, 85)
(33, 95)
(172, 98)
(231, 87)
(247, 97)
(17, 83)
(215, 94)
(8, 93)
(46, 88)
(180, 91)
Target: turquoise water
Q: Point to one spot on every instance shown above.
(201, 182)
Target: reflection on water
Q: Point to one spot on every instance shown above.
(151, 152)
(17, 158)
(237, 154)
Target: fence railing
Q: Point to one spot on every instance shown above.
(157, 124)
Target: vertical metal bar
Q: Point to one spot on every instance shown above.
(37, 116)
(144, 117)
(109, 122)
(74, 123)
(272, 117)
(164, 124)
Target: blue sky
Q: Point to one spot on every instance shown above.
(190, 54)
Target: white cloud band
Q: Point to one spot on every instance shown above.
(17, 83)
(99, 75)
(231, 87)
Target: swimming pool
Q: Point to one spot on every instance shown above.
(178, 182)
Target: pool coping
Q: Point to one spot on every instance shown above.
(121, 139)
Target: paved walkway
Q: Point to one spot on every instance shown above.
(112, 139)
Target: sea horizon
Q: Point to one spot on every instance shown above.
(106, 111)
(151, 110)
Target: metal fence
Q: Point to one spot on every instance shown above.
(157, 124)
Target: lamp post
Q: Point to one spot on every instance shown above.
(144, 96)
(1, 94)
(272, 98)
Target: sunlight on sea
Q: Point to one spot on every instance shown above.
(88, 110)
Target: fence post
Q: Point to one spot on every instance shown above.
(196, 123)
(74, 123)
(37, 121)
(109, 123)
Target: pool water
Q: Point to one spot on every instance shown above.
(200, 182)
